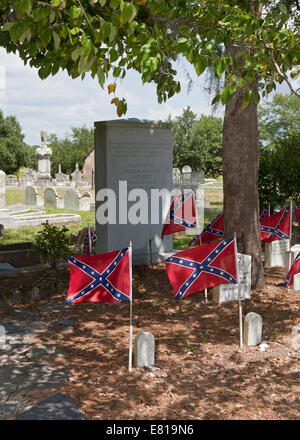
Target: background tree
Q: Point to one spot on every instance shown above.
(148, 35)
(279, 170)
(197, 142)
(70, 149)
(278, 118)
(13, 150)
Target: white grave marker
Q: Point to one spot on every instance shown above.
(275, 252)
(229, 292)
(296, 284)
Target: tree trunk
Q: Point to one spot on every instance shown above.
(240, 176)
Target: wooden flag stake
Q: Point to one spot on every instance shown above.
(291, 222)
(240, 304)
(90, 241)
(130, 305)
(205, 290)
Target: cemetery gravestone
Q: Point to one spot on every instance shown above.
(27, 178)
(290, 257)
(2, 189)
(229, 292)
(176, 175)
(50, 198)
(43, 153)
(61, 178)
(85, 201)
(186, 173)
(76, 175)
(31, 195)
(296, 283)
(252, 329)
(144, 349)
(139, 155)
(11, 180)
(72, 200)
(275, 252)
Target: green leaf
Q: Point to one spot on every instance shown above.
(121, 107)
(101, 77)
(40, 14)
(7, 26)
(282, 8)
(114, 55)
(84, 65)
(55, 3)
(76, 53)
(24, 6)
(75, 12)
(200, 64)
(56, 39)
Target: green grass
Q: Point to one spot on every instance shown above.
(14, 196)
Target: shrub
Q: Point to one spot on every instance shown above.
(53, 243)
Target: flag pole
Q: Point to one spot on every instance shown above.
(90, 241)
(240, 302)
(205, 290)
(291, 222)
(130, 306)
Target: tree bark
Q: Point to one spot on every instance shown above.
(240, 176)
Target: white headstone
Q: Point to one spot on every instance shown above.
(252, 329)
(176, 175)
(229, 292)
(290, 257)
(275, 252)
(31, 195)
(296, 283)
(144, 349)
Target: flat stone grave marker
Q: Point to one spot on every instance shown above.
(229, 292)
(275, 252)
(56, 407)
(50, 198)
(31, 195)
(144, 349)
(252, 329)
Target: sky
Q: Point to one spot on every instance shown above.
(58, 103)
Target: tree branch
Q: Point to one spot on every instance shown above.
(279, 71)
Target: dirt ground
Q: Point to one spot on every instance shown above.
(202, 373)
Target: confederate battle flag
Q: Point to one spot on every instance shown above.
(196, 269)
(182, 215)
(276, 226)
(90, 238)
(214, 231)
(100, 278)
(293, 271)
